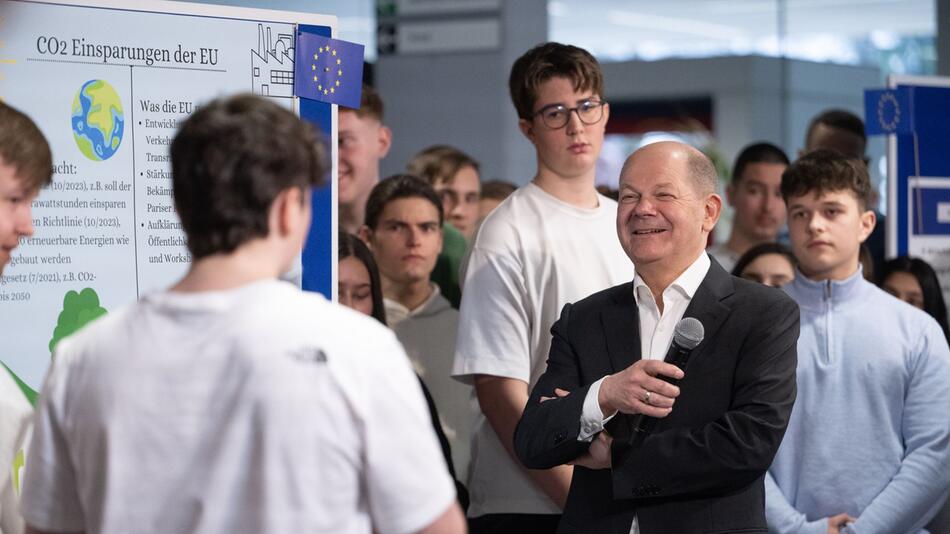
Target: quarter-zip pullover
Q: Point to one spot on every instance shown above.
(870, 430)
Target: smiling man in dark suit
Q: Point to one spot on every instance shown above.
(701, 469)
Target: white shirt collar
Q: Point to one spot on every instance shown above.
(687, 282)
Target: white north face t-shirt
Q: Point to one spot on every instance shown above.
(532, 255)
(254, 410)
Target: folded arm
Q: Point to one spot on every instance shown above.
(547, 435)
(737, 448)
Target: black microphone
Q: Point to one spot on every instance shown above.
(689, 333)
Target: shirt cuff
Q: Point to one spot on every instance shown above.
(592, 419)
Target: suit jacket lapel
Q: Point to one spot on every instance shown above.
(621, 323)
(707, 306)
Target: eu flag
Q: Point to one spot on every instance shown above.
(889, 111)
(328, 70)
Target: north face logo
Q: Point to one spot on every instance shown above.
(309, 355)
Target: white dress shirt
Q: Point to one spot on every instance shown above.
(656, 335)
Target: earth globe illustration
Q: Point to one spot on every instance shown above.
(97, 120)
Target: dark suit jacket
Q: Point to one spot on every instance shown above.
(702, 468)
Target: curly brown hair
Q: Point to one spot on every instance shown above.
(824, 171)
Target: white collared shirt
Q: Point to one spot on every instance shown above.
(656, 335)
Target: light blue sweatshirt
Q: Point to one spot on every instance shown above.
(870, 431)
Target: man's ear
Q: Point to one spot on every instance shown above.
(527, 129)
(713, 209)
(868, 221)
(286, 210)
(385, 140)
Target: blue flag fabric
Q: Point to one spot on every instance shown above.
(889, 111)
(328, 70)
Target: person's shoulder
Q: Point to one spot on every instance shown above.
(756, 297)
(511, 227)
(437, 311)
(606, 297)
(103, 330)
(890, 309)
(312, 315)
(453, 242)
(759, 291)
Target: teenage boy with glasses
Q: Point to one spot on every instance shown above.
(551, 242)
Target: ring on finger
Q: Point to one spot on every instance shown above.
(646, 398)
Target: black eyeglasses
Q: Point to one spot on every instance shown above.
(557, 116)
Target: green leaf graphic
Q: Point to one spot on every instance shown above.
(79, 309)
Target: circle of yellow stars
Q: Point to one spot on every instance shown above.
(329, 90)
(885, 100)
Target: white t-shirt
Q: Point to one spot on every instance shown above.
(15, 412)
(532, 255)
(254, 410)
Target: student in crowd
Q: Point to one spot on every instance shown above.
(755, 196)
(358, 284)
(26, 165)
(454, 175)
(359, 288)
(233, 402)
(915, 282)
(363, 140)
(772, 264)
(867, 442)
(843, 131)
(403, 229)
(493, 193)
(551, 242)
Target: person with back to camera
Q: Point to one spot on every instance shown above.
(233, 402)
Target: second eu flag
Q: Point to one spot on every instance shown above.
(889, 111)
(328, 70)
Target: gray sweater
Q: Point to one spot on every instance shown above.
(428, 335)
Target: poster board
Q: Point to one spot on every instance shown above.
(919, 177)
(108, 82)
